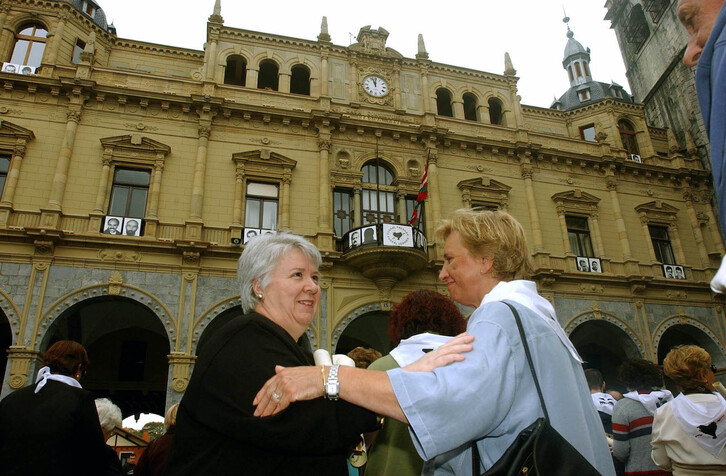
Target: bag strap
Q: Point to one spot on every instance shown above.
(475, 457)
(529, 359)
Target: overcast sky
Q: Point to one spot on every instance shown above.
(469, 33)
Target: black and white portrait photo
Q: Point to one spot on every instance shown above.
(132, 226)
(369, 234)
(668, 271)
(112, 225)
(679, 272)
(583, 264)
(354, 239)
(10, 68)
(595, 265)
(250, 233)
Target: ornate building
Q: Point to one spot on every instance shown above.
(652, 42)
(133, 173)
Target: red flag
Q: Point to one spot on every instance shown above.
(423, 192)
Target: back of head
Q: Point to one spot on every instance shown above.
(108, 414)
(364, 356)
(170, 417)
(640, 374)
(491, 233)
(66, 357)
(424, 311)
(687, 365)
(594, 379)
(261, 255)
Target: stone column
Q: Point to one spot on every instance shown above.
(397, 100)
(434, 197)
(676, 241)
(527, 174)
(563, 229)
(324, 87)
(211, 57)
(458, 107)
(285, 201)
(55, 39)
(357, 208)
(251, 80)
(401, 195)
(239, 177)
(60, 177)
(325, 226)
(11, 182)
(715, 231)
(6, 34)
(284, 85)
(484, 113)
(425, 94)
(599, 247)
(155, 191)
(646, 233)
(200, 167)
(619, 221)
(693, 217)
(103, 183)
(353, 83)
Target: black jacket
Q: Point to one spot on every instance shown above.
(216, 432)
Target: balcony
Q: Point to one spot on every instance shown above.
(386, 252)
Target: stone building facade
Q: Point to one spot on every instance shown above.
(133, 173)
(652, 42)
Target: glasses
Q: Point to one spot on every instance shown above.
(713, 368)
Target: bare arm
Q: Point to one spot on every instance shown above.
(369, 389)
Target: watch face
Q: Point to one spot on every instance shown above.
(375, 86)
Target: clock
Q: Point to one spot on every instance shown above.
(375, 86)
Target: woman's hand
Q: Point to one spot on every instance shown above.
(287, 386)
(450, 352)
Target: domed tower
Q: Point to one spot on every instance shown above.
(91, 9)
(583, 89)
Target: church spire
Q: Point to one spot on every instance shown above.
(324, 35)
(216, 16)
(577, 58)
(422, 54)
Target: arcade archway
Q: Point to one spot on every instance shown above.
(368, 330)
(6, 340)
(127, 346)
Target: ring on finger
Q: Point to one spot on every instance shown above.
(275, 396)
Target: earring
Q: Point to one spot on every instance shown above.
(259, 296)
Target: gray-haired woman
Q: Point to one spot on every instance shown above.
(216, 431)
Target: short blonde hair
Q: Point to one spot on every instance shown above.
(687, 365)
(491, 233)
(170, 417)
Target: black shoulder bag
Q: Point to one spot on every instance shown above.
(538, 449)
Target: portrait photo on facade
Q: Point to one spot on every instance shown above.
(112, 225)
(132, 226)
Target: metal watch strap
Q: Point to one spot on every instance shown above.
(332, 386)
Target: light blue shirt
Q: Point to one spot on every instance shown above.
(491, 397)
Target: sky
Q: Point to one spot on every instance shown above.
(473, 34)
(144, 418)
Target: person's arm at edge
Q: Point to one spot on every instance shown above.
(658, 454)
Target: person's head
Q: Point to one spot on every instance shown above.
(640, 374)
(109, 415)
(615, 394)
(27, 70)
(131, 459)
(669, 272)
(66, 357)
(690, 368)
(112, 223)
(595, 266)
(698, 16)
(594, 380)
(424, 311)
(481, 248)
(251, 233)
(170, 417)
(131, 227)
(278, 278)
(364, 356)
(10, 68)
(679, 273)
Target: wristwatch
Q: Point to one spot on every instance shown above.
(332, 386)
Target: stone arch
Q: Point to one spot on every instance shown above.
(206, 318)
(386, 161)
(113, 288)
(597, 315)
(684, 320)
(26, 19)
(350, 317)
(11, 312)
(266, 55)
(287, 65)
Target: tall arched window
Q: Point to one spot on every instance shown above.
(496, 111)
(378, 194)
(636, 30)
(627, 135)
(443, 103)
(470, 107)
(29, 45)
(268, 76)
(236, 71)
(300, 80)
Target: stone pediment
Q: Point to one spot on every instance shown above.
(482, 184)
(657, 211)
(576, 196)
(8, 129)
(264, 162)
(134, 144)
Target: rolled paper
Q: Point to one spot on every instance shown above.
(342, 359)
(322, 357)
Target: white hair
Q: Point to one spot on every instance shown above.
(260, 257)
(108, 414)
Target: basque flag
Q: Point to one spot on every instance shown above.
(423, 192)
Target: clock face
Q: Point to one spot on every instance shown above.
(375, 86)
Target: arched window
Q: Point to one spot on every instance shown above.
(29, 45)
(378, 194)
(300, 80)
(627, 135)
(636, 30)
(268, 76)
(496, 114)
(236, 71)
(443, 103)
(470, 107)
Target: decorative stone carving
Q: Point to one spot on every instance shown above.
(114, 283)
(181, 370)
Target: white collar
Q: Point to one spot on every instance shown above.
(604, 402)
(652, 400)
(44, 375)
(702, 420)
(410, 350)
(525, 294)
